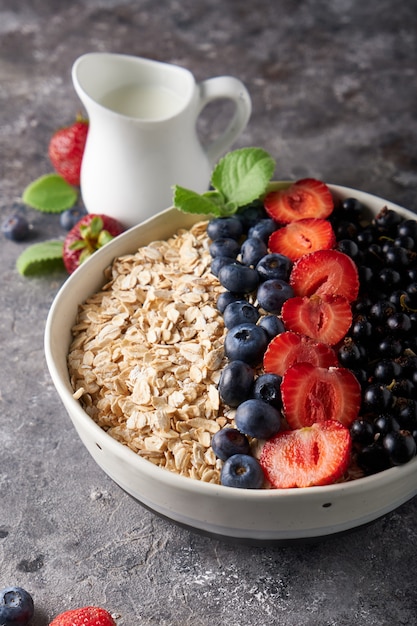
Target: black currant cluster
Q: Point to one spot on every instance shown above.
(381, 346)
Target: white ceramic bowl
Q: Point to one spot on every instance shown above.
(255, 516)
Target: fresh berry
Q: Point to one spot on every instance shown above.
(229, 441)
(362, 431)
(69, 218)
(263, 229)
(257, 418)
(252, 250)
(225, 246)
(272, 294)
(239, 312)
(86, 616)
(314, 455)
(274, 265)
(267, 387)
(15, 227)
(66, 150)
(272, 324)
(224, 227)
(324, 318)
(226, 298)
(325, 272)
(305, 198)
(238, 278)
(302, 237)
(242, 471)
(316, 394)
(290, 348)
(89, 234)
(220, 261)
(400, 447)
(246, 342)
(236, 382)
(16, 607)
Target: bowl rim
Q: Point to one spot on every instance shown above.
(80, 418)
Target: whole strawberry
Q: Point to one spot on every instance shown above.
(92, 232)
(86, 616)
(66, 149)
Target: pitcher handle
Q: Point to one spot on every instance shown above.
(226, 87)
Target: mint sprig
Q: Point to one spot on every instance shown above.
(239, 178)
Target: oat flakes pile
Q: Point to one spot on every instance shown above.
(147, 354)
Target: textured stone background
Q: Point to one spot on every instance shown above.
(333, 85)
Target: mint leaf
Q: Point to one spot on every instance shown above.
(50, 194)
(41, 258)
(242, 176)
(239, 178)
(191, 202)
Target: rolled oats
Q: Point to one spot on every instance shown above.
(146, 354)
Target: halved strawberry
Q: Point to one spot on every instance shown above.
(323, 318)
(314, 455)
(325, 272)
(302, 237)
(307, 197)
(288, 348)
(316, 394)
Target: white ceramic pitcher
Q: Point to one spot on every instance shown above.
(143, 136)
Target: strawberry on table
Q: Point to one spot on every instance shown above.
(305, 198)
(86, 616)
(317, 394)
(314, 455)
(324, 318)
(289, 348)
(302, 237)
(66, 150)
(325, 272)
(89, 234)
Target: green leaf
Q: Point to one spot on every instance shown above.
(243, 175)
(191, 202)
(41, 258)
(50, 194)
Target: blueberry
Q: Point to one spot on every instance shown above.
(272, 324)
(274, 265)
(250, 214)
(225, 298)
(71, 216)
(267, 387)
(263, 229)
(229, 227)
(246, 342)
(238, 278)
(229, 441)
(273, 293)
(226, 246)
(15, 227)
(252, 250)
(219, 262)
(16, 607)
(242, 471)
(239, 312)
(236, 382)
(257, 418)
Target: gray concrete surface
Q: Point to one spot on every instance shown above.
(334, 91)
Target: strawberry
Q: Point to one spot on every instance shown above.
(325, 272)
(305, 198)
(288, 348)
(323, 318)
(314, 455)
(316, 394)
(302, 237)
(66, 149)
(90, 233)
(86, 616)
